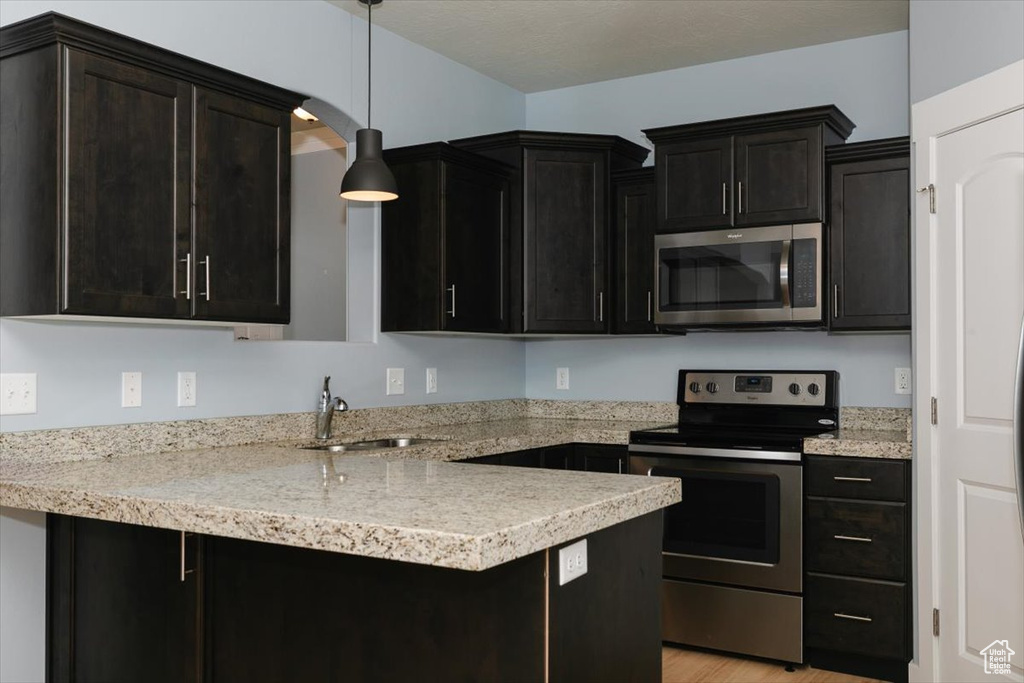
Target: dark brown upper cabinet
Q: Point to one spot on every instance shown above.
(869, 235)
(559, 259)
(752, 170)
(633, 238)
(444, 242)
(138, 183)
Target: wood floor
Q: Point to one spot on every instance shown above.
(679, 665)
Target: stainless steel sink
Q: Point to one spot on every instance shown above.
(373, 444)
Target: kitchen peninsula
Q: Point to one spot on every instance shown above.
(268, 561)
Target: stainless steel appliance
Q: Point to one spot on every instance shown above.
(732, 551)
(759, 276)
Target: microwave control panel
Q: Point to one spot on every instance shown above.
(776, 388)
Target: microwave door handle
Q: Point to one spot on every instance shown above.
(784, 272)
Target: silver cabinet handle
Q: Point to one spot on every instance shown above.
(1018, 428)
(452, 290)
(600, 307)
(784, 272)
(620, 465)
(835, 301)
(206, 262)
(864, 479)
(184, 571)
(648, 305)
(739, 197)
(188, 275)
(851, 617)
(725, 209)
(859, 539)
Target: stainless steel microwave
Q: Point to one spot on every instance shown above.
(744, 275)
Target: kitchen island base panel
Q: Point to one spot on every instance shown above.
(858, 665)
(118, 609)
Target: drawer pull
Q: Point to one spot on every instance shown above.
(859, 539)
(866, 480)
(851, 617)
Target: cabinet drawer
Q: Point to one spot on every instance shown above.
(854, 537)
(856, 615)
(837, 477)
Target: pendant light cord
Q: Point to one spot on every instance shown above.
(369, 61)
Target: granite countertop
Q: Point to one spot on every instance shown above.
(408, 505)
(863, 443)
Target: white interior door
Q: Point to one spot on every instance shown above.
(978, 305)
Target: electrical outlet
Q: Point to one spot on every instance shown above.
(131, 389)
(431, 380)
(17, 393)
(572, 562)
(902, 383)
(562, 379)
(395, 381)
(186, 389)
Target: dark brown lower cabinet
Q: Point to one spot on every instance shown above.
(585, 457)
(253, 612)
(858, 615)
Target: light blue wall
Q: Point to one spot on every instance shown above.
(316, 49)
(955, 41)
(865, 77)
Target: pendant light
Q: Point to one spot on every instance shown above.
(369, 179)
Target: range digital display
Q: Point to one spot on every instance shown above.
(759, 384)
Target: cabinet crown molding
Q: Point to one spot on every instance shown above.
(868, 150)
(550, 140)
(442, 151)
(828, 115)
(53, 28)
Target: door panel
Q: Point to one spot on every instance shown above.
(979, 298)
(694, 185)
(565, 242)
(634, 247)
(242, 210)
(781, 176)
(127, 183)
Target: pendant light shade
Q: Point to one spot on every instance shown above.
(369, 179)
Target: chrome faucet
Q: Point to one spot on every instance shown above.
(325, 411)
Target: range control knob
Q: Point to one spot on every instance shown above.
(695, 387)
(794, 389)
(712, 387)
(813, 389)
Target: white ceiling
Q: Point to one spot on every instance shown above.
(535, 45)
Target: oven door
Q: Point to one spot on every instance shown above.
(746, 275)
(739, 522)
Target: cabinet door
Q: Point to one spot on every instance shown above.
(118, 607)
(778, 177)
(527, 458)
(601, 458)
(242, 186)
(869, 233)
(566, 210)
(559, 457)
(475, 281)
(694, 181)
(634, 248)
(127, 187)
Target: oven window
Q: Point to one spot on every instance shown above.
(725, 515)
(720, 277)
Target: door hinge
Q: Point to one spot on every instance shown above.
(930, 189)
(935, 622)
(935, 411)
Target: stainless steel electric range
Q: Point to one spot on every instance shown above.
(732, 553)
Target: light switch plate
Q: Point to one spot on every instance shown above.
(131, 389)
(17, 393)
(572, 562)
(395, 381)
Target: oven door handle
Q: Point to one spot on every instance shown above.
(784, 271)
(735, 453)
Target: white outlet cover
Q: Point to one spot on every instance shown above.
(431, 380)
(186, 389)
(902, 381)
(572, 562)
(131, 389)
(17, 393)
(562, 379)
(395, 381)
